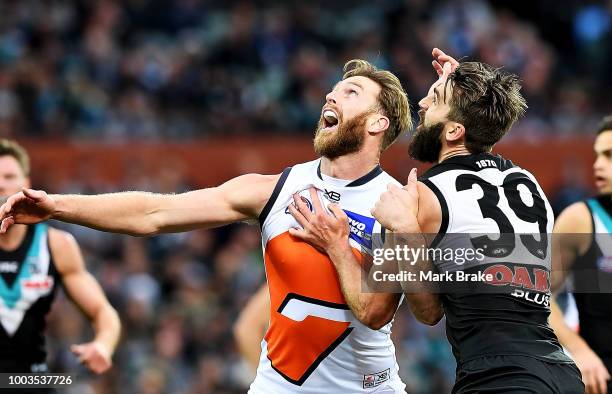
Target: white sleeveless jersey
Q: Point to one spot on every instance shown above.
(314, 343)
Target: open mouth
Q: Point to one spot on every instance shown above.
(330, 119)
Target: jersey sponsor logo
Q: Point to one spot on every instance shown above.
(536, 298)
(519, 276)
(38, 283)
(531, 286)
(361, 228)
(376, 379)
(306, 201)
(332, 195)
(9, 267)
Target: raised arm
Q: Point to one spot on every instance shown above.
(142, 213)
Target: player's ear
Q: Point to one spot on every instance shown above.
(455, 132)
(378, 123)
(27, 183)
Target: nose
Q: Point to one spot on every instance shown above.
(424, 103)
(330, 98)
(598, 163)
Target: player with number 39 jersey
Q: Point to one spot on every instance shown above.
(481, 196)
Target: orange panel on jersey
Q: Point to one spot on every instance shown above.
(298, 272)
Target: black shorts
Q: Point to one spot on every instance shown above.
(517, 374)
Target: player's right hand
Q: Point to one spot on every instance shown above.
(594, 373)
(26, 207)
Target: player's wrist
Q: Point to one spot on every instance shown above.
(59, 206)
(338, 249)
(104, 348)
(407, 228)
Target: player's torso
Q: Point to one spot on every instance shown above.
(314, 343)
(27, 285)
(592, 280)
(500, 213)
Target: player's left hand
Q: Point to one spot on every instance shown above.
(397, 208)
(320, 229)
(94, 355)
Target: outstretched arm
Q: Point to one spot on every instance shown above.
(87, 294)
(142, 213)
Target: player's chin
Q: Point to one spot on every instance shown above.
(604, 188)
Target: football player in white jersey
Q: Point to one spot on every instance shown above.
(314, 344)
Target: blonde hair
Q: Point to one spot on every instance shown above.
(392, 97)
(12, 148)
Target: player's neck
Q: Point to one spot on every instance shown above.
(454, 151)
(13, 237)
(349, 167)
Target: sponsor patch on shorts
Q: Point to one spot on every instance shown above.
(375, 379)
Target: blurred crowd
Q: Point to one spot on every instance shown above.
(138, 69)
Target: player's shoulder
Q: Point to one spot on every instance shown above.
(388, 179)
(61, 241)
(576, 218)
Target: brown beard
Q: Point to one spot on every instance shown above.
(347, 139)
(425, 145)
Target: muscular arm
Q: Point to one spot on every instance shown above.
(330, 233)
(568, 244)
(424, 304)
(141, 213)
(88, 296)
(410, 213)
(374, 309)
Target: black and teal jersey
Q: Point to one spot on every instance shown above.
(28, 282)
(592, 281)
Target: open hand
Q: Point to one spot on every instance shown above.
(94, 355)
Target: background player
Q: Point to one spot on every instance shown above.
(306, 347)
(251, 326)
(35, 260)
(501, 339)
(591, 348)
